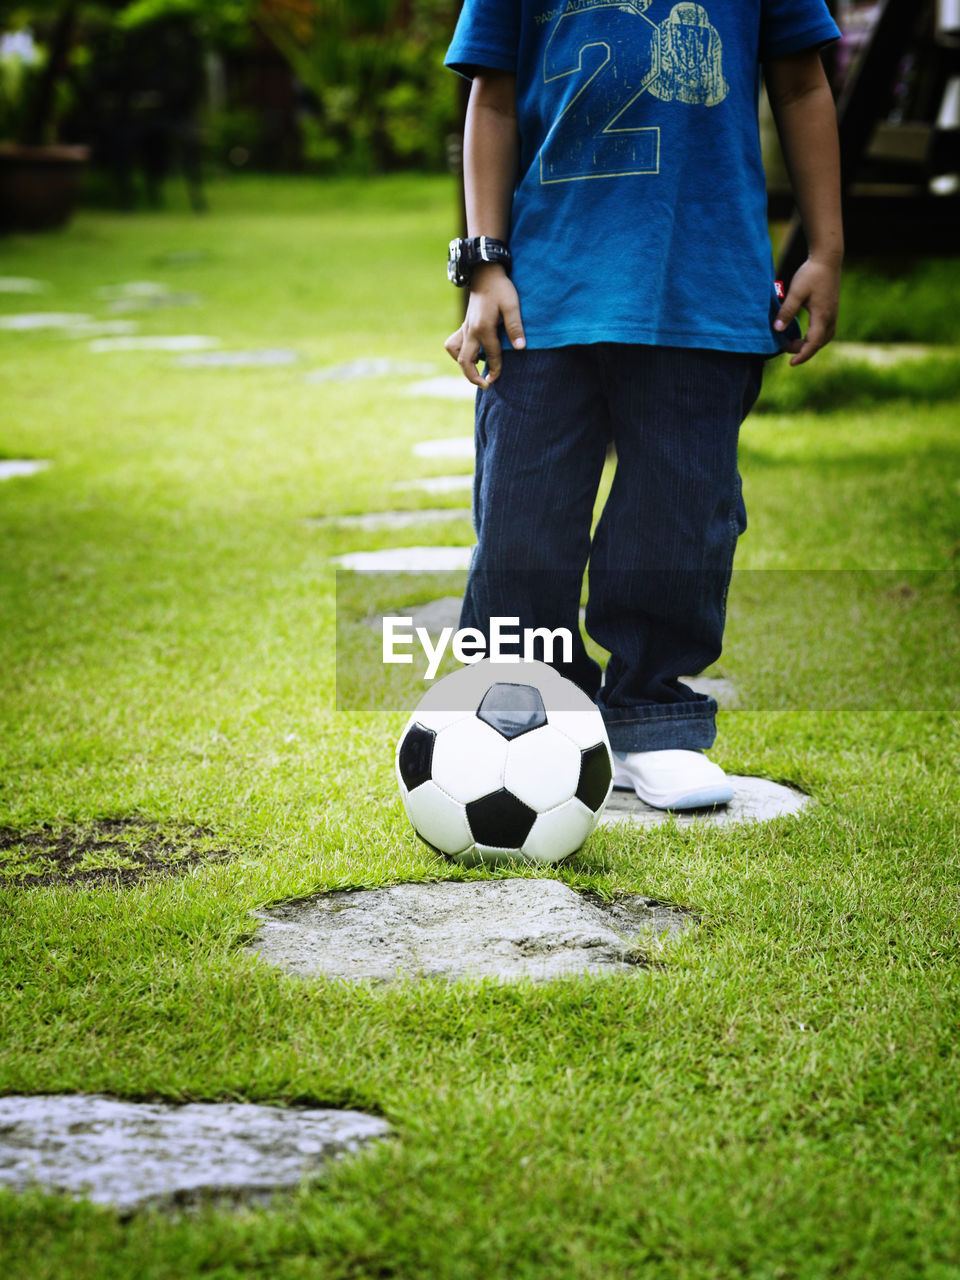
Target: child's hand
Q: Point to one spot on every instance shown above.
(816, 287)
(492, 295)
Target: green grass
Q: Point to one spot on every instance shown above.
(776, 1098)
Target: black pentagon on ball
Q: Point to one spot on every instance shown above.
(416, 756)
(500, 820)
(512, 709)
(595, 775)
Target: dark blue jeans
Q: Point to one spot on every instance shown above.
(662, 552)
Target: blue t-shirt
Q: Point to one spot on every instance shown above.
(640, 210)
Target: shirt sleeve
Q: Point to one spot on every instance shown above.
(487, 35)
(788, 26)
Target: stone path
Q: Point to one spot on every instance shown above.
(754, 800)
(130, 1154)
(156, 342)
(434, 615)
(504, 929)
(437, 484)
(22, 284)
(27, 321)
(69, 324)
(884, 354)
(393, 519)
(145, 295)
(264, 357)
(183, 258)
(375, 367)
(452, 447)
(717, 687)
(407, 559)
(133, 289)
(12, 467)
(413, 559)
(447, 387)
(102, 329)
(122, 306)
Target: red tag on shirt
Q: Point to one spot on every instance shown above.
(779, 290)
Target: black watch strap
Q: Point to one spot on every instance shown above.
(466, 254)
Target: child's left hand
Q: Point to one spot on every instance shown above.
(816, 288)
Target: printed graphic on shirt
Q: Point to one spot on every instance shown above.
(612, 63)
(687, 54)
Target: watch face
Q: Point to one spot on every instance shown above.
(454, 274)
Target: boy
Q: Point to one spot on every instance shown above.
(623, 290)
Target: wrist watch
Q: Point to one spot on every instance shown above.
(466, 254)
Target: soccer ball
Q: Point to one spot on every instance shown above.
(503, 762)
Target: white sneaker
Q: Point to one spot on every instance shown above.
(673, 779)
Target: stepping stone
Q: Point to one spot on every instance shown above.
(435, 615)
(156, 342)
(102, 329)
(372, 368)
(407, 559)
(503, 929)
(721, 690)
(437, 484)
(134, 289)
(754, 800)
(884, 354)
(452, 447)
(447, 387)
(182, 258)
(28, 320)
(394, 519)
(144, 295)
(130, 1154)
(265, 357)
(11, 467)
(153, 303)
(22, 284)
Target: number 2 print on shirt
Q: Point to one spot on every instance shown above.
(613, 62)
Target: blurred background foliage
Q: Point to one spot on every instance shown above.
(269, 85)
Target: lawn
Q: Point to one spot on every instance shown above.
(775, 1096)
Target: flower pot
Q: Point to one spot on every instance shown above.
(39, 185)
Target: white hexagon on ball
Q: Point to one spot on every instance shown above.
(437, 818)
(559, 832)
(584, 728)
(543, 768)
(469, 759)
